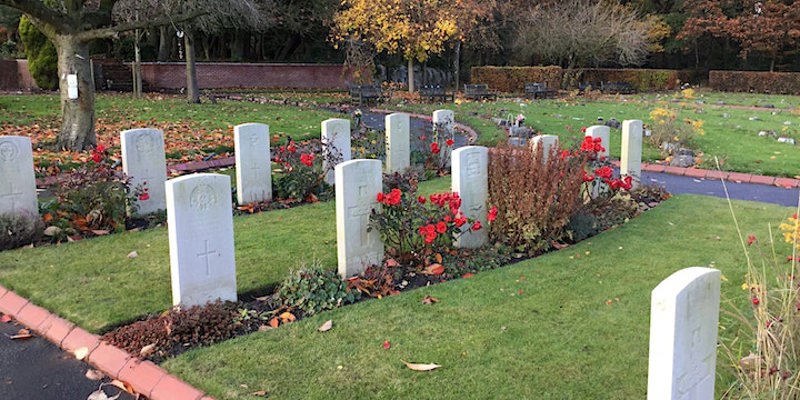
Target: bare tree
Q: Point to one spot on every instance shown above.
(574, 33)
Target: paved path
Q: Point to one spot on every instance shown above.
(713, 187)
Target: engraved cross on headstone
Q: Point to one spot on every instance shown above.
(206, 254)
(362, 211)
(11, 195)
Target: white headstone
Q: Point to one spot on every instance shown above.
(631, 154)
(17, 178)
(144, 161)
(445, 119)
(253, 168)
(547, 142)
(684, 313)
(470, 175)
(398, 147)
(358, 183)
(201, 252)
(335, 144)
(604, 133)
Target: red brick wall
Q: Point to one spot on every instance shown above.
(14, 75)
(235, 75)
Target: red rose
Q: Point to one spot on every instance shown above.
(421, 199)
(307, 159)
(96, 157)
(441, 227)
(435, 148)
(587, 177)
(604, 172)
(492, 214)
(101, 148)
(380, 197)
(450, 142)
(476, 226)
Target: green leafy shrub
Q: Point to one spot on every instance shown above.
(513, 79)
(581, 226)
(18, 229)
(312, 290)
(522, 185)
(41, 54)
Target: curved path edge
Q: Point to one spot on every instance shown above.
(145, 377)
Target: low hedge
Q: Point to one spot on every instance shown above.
(513, 79)
(755, 81)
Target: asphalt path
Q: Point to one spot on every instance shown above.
(707, 187)
(35, 369)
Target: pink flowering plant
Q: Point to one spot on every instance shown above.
(415, 228)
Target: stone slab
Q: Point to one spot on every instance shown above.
(358, 183)
(470, 179)
(144, 161)
(253, 166)
(17, 177)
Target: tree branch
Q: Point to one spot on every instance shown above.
(46, 15)
(112, 31)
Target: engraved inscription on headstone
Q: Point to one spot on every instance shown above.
(17, 178)
(335, 145)
(470, 179)
(358, 182)
(253, 172)
(143, 159)
(398, 154)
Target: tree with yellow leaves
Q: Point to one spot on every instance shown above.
(415, 28)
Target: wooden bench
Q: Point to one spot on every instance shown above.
(538, 90)
(366, 93)
(435, 92)
(478, 91)
(617, 87)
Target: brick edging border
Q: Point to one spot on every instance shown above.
(787, 183)
(145, 377)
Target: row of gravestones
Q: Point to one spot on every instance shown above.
(684, 310)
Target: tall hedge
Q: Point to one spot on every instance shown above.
(41, 54)
(513, 79)
(755, 81)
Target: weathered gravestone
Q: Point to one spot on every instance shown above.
(398, 146)
(201, 252)
(547, 142)
(470, 175)
(444, 121)
(335, 145)
(604, 133)
(144, 161)
(358, 183)
(17, 179)
(684, 313)
(631, 154)
(253, 172)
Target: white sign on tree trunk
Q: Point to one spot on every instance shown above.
(201, 251)
(253, 172)
(144, 161)
(358, 183)
(398, 147)
(631, 154)
(17, 178)
(470, 175)
(604, 133)
(335, 145)
(684, 313)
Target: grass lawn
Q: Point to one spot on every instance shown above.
(570, 324)
(95, 285)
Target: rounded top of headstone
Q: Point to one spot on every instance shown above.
(251, 127)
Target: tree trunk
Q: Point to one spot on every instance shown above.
(164, 43)
(137, 66)
(77, 115)
(457, 64)
(410, 75)
(192, 92)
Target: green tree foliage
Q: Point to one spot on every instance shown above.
(42, 56)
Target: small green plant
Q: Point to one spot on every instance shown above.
(312, 290)
(17, 229)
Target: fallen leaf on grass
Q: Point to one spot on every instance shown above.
(260, 393)
(100, 232)
(392, 263)
(326, 326)
(420, 367)
(81, 353)
(559, 246)
(438, 258)
(386, 345)
(274, 322)
(5, 318)
(133, 255)
(429, 300)
(94, 375)
(468, 275)
(434, 269)
(21, 334)
(147, 350)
